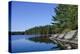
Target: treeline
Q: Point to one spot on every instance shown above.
(16, 33)
(66, 19)
(47, 29)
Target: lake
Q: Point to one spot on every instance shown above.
(22, 43)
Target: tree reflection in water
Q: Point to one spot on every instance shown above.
(44, 39)
(41, 39)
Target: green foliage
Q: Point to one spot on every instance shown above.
(67, 17)
(40, 30)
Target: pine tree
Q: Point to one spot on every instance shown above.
(66, 17)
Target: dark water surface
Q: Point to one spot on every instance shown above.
(22, 43)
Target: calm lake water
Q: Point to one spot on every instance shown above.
(21, 43)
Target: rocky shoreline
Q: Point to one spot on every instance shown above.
(67, 40)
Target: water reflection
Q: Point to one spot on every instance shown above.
(41, 39)
(25, 43)
(44, 39)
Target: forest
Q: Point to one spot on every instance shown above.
(66, 19)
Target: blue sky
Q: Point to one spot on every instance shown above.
(25, 15)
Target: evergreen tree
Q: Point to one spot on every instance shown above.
(66, 17)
